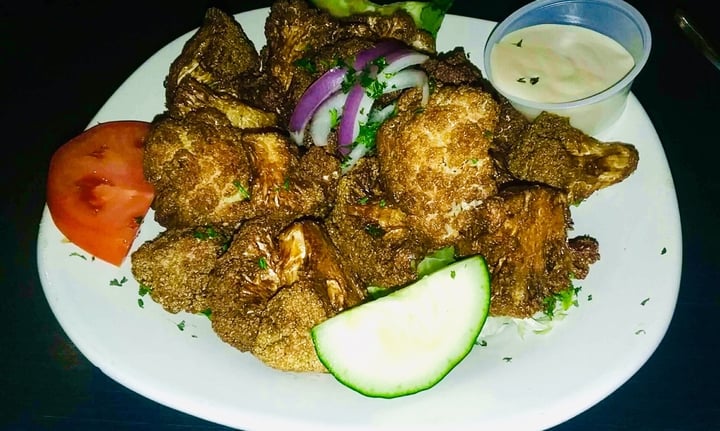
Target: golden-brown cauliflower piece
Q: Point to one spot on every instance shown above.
(522, 233)
(283, 181)
(435, 161)
(555, 153)
(191, 95)
(246, 289)
(200, 171)
(283, 339)
(176, 266)
(218, 54)
(373, 235)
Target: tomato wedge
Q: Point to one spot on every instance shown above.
(96, 191)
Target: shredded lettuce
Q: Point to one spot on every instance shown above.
(427, 15)
(436, 260)
(565, 299)
(430, 263)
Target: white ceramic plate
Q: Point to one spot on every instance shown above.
(521, 383)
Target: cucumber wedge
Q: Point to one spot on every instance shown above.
(407, 341)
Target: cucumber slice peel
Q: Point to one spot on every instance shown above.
(409, 340)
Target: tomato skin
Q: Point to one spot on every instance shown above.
(96, 191)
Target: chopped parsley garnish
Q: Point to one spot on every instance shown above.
(206, 312)
(589, 298)
(81, 256)
(286, 184)
(141, 303)
(382, 203)
(144, 290)
(181, 325)
(644, 301)
(518, 43)
(334, 118)
(565, 298)
(481, 343)
(380, 62)
(262, 263)
(663, 251)
(507, 359)
(363, 200)
(532, 80)
(241, 190)
(118, 283)
(367, 134)
(349, 80)
(306, 64)
(640, 331)
(375, 88)
(374, 230)
(452, 274)
(205, 232)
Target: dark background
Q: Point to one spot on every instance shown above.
(60, 61)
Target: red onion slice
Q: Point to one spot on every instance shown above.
(315, 94)
(379, 116)
(322, 122)
(381, 49)
(402, 59)
(407, 78)
(358, 152)
(350, 121)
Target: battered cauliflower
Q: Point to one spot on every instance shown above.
(217, 55)
(258, 290)
(200, 171)
(555, 153)
(435, 160)
(192, 95)
(373, 235)
(175, 266)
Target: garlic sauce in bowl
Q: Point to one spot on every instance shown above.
(555, 63)
(574, 58)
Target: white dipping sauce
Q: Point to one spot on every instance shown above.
(554, 63)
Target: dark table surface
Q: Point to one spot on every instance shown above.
(61, 59)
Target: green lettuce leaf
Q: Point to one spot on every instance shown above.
(427, 15)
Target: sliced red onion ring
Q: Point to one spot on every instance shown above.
(357, 108)
(407, 78)
(321, 122)
(315, 95)
(401, 59)
(379, 50)
(358, 152)
(317, 104)
(379, 116)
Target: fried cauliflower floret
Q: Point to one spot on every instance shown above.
(191, 95)
(522, 234)
(284, 181)
(435, 161)
(176, 265)
(555, 153)
(283, 339)
(372, 234)
(200, 171)
(218, 54)
(267, 256)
